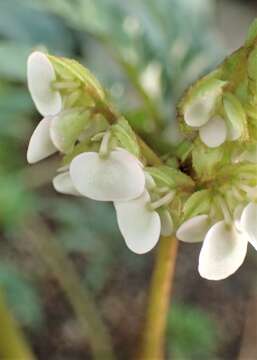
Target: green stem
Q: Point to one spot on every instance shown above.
(13, 344)
(79, 296)
(153, 335)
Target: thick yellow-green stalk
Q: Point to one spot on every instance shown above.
(153, 336)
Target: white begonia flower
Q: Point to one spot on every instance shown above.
(62, 183)
(116, 177)
(194, 230)
(41, 75)
(139, 225)
(40, 144)
(223, 251)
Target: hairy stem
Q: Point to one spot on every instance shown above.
(79, 296)
(13, 344)
(153, 335)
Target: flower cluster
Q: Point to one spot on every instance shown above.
(205, 191)
(218, 113)
(102, 160)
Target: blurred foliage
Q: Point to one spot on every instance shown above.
(22, 297)
(146, 53)
(191, 334)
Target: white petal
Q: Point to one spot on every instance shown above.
(139, 226)
(129, 156)
(237, 216)
(149, 181)
(233, 132)
(40, 74)
(194, 230)
(40, 145)
(62, 183)
(214, 133)
(223, 252)
(198, 112)
(117, 178)
(249, 223)
(167, 225)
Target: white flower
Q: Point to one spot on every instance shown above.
(194, 229)
(214, 130)
(199, 111)
(41, 145)
(224, 245)
(139, 221)
(116, 177)
(139, 225)
(62, 183)
(223, 251)
(41, 75)
(56, 133)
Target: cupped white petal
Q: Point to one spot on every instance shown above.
(249, 223)
(40, 144)
(119, 177)
(41, 74)
(194, 230)
(223, 251)
(167, 225)
(62, 183)
(198, 112)
(214, 133)
(139, 226)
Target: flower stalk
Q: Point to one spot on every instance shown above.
(153, 334)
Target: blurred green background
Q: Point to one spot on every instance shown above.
(145, 53)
